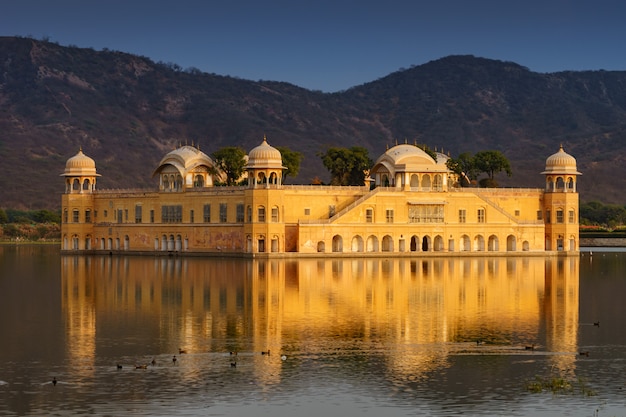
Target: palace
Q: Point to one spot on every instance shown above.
(413, 207)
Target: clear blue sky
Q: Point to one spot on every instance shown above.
(332, 45)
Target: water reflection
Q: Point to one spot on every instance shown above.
(415, 313)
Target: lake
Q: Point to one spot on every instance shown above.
(309, 337)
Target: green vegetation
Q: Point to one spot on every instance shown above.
(606, 217)
(291, 161)
(232, 161)
(468, 167)
(31, 226)
(559, 385)
(347, 166)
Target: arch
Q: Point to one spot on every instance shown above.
(178, 246)
(75, 242)
(321, 246)
(465, 244)
(274, 244)
(415, 182)
(88, 242)
(426, 182)
(571, 184)
(572, 243)
(438, 182)
(117, 243)
(198, 181)
(560, 184)
(170, 243)
(492, 244)
(414, 246)
(426, 244)
(357, 244)
(109, 243)
(86, 184)
(126, 242)
(164, 243)
(337, 243)
(438, 243)
(479, 243)
(385, 180)
(273, 178)
(261, 178)
(156, 243)
(511, 243)
(525, 246)
(387, 244)
(102, 244)
(372, 244)
(76, 184)
(249, 244)
(275, 214)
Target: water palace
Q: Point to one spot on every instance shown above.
(412, 208)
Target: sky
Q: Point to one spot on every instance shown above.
(332, 45)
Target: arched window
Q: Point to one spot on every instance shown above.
(415, 182)
(387, 244)
(372, 244)
(337, 243)
(560, 184)
(438, 183)
(426, 182)
(357, 244)
(198, 181)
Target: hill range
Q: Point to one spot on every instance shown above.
(127, 112)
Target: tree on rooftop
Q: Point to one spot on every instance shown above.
(491, 162)
(291, 160)
(347, 166)
(232, 161)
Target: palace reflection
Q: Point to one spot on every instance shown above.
(427, 309)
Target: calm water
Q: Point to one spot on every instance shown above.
(360, 337)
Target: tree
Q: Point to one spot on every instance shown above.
(3, 217)
(464, 167)
(232, 161)
(491, 162)
(347, 166)
(291, 160)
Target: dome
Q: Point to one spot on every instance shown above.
(185, 159)
(402, 154)
(265, 156)
(561, 163)
(408, 158)
(80, 165)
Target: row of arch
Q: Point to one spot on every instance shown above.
(424, 182)
(561, 184)
(421, 244)
(79, 185)
(166, 243)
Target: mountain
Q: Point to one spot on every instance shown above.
(127, 111)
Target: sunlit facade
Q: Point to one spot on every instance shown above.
(412, 207)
